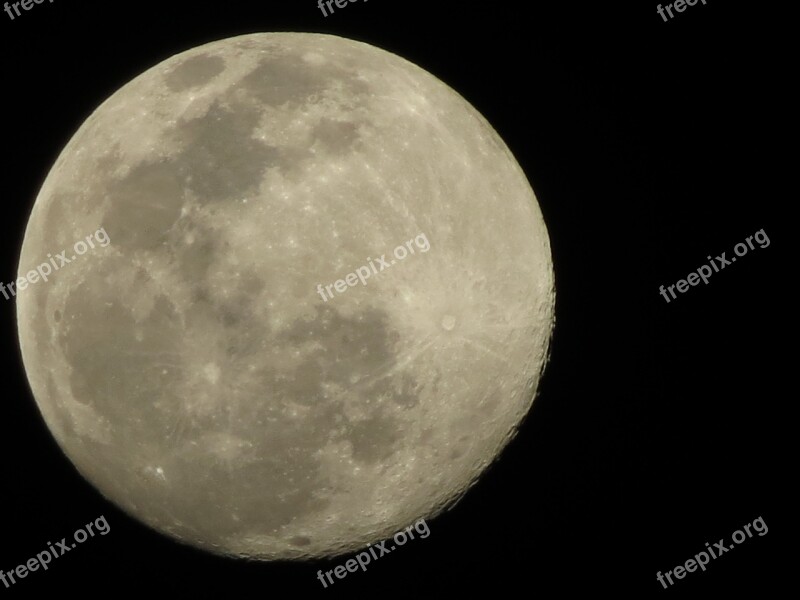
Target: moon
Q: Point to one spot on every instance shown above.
(191, 369)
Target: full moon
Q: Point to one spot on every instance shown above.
(300, 296)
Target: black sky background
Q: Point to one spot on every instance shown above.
(650, 146)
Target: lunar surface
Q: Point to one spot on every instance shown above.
(191, 370)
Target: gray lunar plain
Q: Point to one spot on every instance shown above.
(191, 371)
